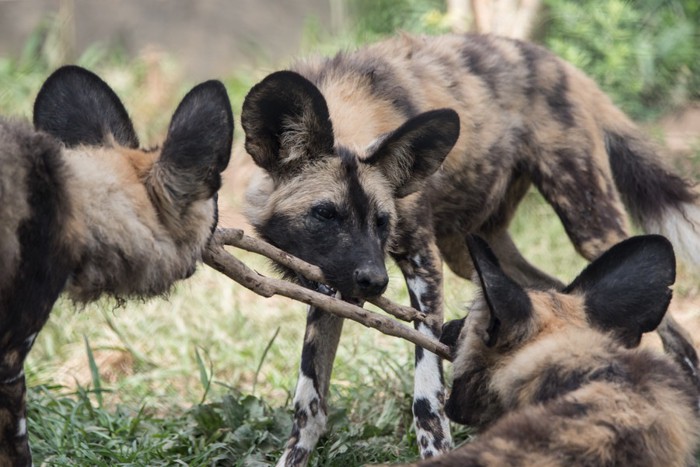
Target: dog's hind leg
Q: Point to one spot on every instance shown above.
(310, 397)
(456, 256)
(584, 197)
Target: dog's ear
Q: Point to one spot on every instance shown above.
(451, 331)
(286, 122)
(626, 289)
(198, 146)
(509, 304)
(77, 107)
(414, 151)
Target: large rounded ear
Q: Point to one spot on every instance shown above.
(413, 152)
(198, 146)
(77, 107)
(286, 123)
(626, 289)
(508, 302)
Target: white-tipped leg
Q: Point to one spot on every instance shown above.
(310, 413)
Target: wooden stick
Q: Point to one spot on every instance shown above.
(237, 238)
(219, 259)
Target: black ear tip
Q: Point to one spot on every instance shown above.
(281, 82)
(449, 123)
(78, 107)
(285, 77)
(213, 89)
(479, 248)
(451, 331)
(660, 242)
(474, 241)
(72, 71)
(449, 114)
(67, 75)
(656, 247)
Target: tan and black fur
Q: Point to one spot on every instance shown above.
(83, 209)
(555, 377)
(360, 162)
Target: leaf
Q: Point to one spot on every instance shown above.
(94, 372)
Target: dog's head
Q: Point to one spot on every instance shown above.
(331, 205)
(140, 218)
(618, 297)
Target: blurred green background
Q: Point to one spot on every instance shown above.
(207, 376)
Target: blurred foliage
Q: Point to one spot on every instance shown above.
(21, 77)
(645, 54)
(373, 19)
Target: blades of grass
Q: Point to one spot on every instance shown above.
(136, 421)
(263, 356)
(141, 359)
(94, 372)
(203, 376)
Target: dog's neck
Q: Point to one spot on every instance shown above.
(119, 236)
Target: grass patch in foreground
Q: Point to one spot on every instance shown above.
(70, 428)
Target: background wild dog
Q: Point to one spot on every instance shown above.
(355, 168)
(83, 209)
(551, 377)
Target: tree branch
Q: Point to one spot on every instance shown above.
(237, 238)
(219, 259)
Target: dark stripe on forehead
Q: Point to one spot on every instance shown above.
(358, 201)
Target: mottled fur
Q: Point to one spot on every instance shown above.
(555, 382)
(82, 209)
(525, 117)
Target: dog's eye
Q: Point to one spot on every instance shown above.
(324, 212)
(382, 220)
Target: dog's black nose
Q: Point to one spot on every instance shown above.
(371, 280)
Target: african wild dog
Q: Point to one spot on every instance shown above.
(550, 378)
(358, 164)
(83, 209)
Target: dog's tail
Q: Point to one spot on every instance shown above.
(659, 200)
(663, 202)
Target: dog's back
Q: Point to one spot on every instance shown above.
(526, 116)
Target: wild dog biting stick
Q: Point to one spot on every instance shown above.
(219, 259)
(237, 238)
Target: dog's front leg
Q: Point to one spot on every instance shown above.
(14, 440)
(422, 269)
(310, 398)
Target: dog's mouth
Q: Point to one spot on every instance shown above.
(330, 291)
